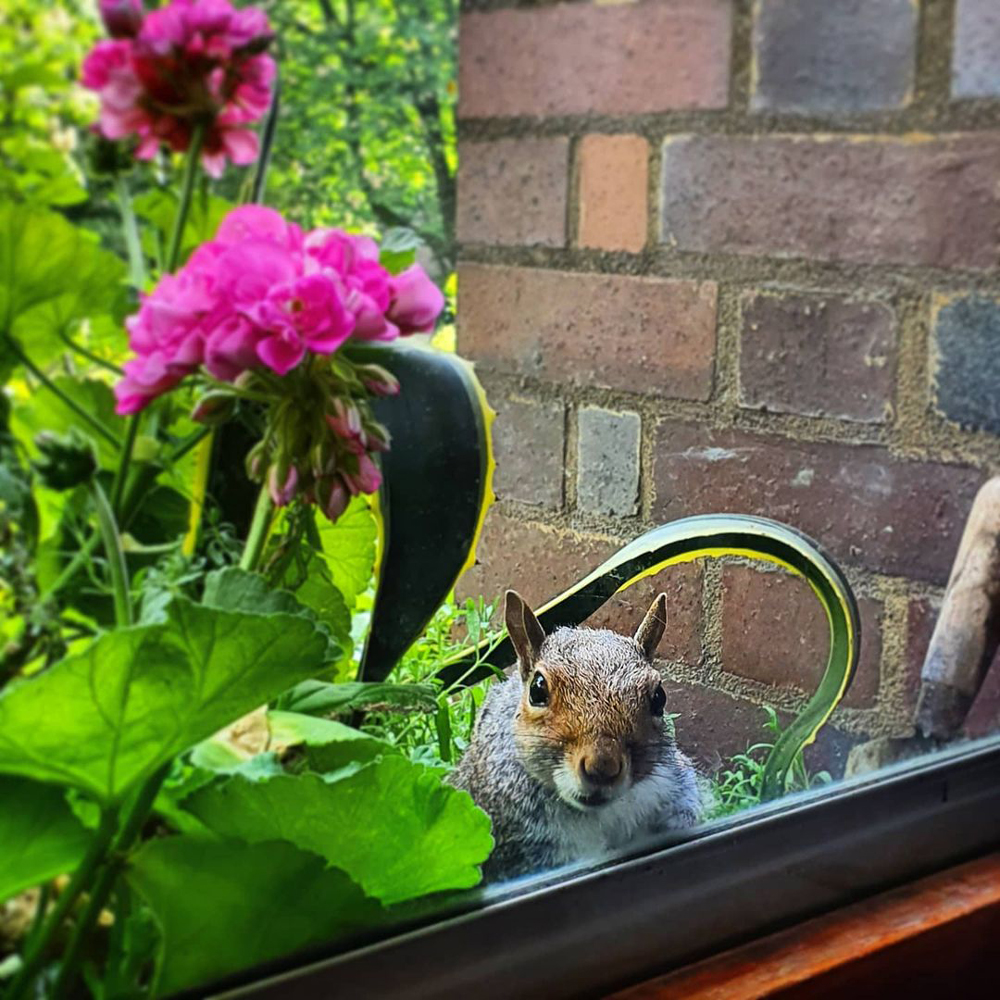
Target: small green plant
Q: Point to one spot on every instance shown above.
(738, 784)
(438, 734)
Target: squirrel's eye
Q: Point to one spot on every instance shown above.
(538, 691)
(658, 701)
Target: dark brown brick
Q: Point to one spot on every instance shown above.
(870, 199)
(540, 563)
(833, 55)
(975, 69)
(818, 356)
(589, 59)
(513, 192)
(866, 506)
(529, 440)
(775, 631)
(984, 716)
(921, 614)
(650, 335)
(713, 726)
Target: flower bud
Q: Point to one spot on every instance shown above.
(378, 381)
(281, 484)
(66, 460)
(332, 496)
(215, 407)
(367, 479)
(122, 18)
(255, 461)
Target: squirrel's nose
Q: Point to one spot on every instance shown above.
(600, 767)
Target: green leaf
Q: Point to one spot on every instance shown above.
(225, 906)
(349, 548)
(332, 745)
(160, 208)
(392, 825)
(321, 595)
(106, 718)
(51, 276)
(320, 698)
(234, 589)
(45, 411)
(41, 837)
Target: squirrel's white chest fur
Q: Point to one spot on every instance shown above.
(659, 802)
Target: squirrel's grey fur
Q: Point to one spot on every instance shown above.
(523, 765)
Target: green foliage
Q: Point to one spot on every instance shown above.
(739, 783)
(41, 46)
(40, 835)
(107, 718)
(367, 132)
(240, 904)
(420, 731)
(52, 276)
(347, 546)
(431, 837)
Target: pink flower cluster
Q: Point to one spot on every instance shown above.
(192, 62)
(263, 294)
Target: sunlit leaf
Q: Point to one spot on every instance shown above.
(52, 275)
(39, 835)
(108, 717)
(429, 837)
(225, 906)
(349, 548)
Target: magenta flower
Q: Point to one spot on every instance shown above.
(192, 62)
(416, 301)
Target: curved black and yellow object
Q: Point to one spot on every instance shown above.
(713, 535)
(437, 486)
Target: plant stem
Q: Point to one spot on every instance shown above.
(115, 554)
(105, 882)
(191, 441)
(72, 404)
(70, 571)
(124, 460)
(254, 546)
(266, 142)
(89, 355)
(187, 189)
(133, 246)
(39, 945)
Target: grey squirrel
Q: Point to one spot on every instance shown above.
(571, 756)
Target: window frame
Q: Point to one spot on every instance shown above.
(599, 929)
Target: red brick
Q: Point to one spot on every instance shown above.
(984, 715)
(879, 199)
(540, 563)
(817, 356)
(512, 192)
(712, 726)
(650, 335)
(589, 59)
(775, 631)
(529, 439)
(864, 505)
(920, 618)
(614, 183)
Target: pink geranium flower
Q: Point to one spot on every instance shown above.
(192, 62)
(261, 299)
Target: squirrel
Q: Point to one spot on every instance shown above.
(571, 756)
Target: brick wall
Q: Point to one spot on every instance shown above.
(737, 256)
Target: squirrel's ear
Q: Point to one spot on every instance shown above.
(650, 632)
(524, 630)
